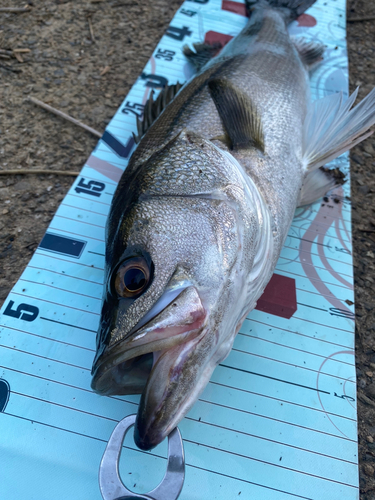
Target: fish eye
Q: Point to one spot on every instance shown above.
(132, 277)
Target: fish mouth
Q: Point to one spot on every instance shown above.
(175, 319)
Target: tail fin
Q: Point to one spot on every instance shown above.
(294, 8)
(332, 127)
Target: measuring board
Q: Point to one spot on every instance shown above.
(278, 419)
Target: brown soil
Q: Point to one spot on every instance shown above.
(65, 68)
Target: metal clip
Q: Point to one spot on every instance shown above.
(110, 483)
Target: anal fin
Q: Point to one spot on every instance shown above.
(317, 183)
(238, 114)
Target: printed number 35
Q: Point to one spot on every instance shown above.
(167, 55)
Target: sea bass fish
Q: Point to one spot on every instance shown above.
(201, 213)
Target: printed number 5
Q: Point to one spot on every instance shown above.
(23, 311)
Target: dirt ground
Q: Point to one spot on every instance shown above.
(87, 74)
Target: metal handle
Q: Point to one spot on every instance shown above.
(110, 483)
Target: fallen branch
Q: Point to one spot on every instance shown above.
(16, 53)
(38, 171)
(15, 10)
(64, 115)
(359, 19)
(365, 400)
(367, 230)
(91, 29)
(9, 68)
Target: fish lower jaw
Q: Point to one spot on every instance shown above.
(174, 386)
(127, 377)
(130, 375)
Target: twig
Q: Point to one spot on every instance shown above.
(9, 68)
(18, 57)
(38, 171)
(91, 29)
(15, 10)
(365, 399)
(16, 53)
(358, 19)
(367, 230)
(105, 70)
(64, 115)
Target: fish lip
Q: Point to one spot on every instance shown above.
(145, 439)
(170, 391)
(173, 291)
(123, 352)
(147, 442)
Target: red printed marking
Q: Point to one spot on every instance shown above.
(306, 20)
(279, 297)
(105, 168)
(212, 37)
(236, 7)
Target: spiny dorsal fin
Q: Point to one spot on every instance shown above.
(203, 53)
(238, 114)
(153, 108)
(310, 52)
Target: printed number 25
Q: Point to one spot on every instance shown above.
(23, 311)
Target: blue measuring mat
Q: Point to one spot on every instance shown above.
(278, 419)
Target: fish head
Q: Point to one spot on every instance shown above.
(173, 265)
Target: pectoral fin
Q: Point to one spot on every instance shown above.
(203, 53)
(238, 114)
(310, 51)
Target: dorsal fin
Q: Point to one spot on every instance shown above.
(291, 8)
(203, 53)
(238, 114)
(153, 108)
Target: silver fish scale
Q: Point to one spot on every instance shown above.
(210, 219)
(263, 63)
(178, 241)
(190, 166)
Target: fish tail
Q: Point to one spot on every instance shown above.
(332, 126)
(291, 8)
